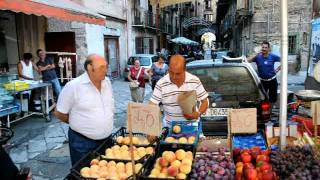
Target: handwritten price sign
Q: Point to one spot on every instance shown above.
(243, 120)
(144, 118)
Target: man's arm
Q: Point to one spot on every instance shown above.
(20, 72)
(63, 117)
(35, 67)
(43, 68)
(251, 58)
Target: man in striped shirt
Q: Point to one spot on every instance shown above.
(171, 85)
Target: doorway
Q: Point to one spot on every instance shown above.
(111, 48)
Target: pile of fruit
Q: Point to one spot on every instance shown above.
(141, 140)
(253, 164)
(296, 163)
(210, 166)
(109, 170)
(178, 137)
(123, 152)
(173, 165)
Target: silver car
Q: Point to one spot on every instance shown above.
(146, 61)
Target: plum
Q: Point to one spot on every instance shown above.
(217, 176)
(221, 171)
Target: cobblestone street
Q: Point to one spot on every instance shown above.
(43, 146)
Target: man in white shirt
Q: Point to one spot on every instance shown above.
(171, 85)
(86, 103)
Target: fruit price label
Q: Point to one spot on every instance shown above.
(243, 120)
(315, 111)
(144, 118)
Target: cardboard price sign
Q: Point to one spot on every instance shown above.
(315, 112)
(243, 120)
(144, 118)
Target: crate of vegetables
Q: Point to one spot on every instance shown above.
(169, 163)
(182, 133)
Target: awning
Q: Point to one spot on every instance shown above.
(165, 3)
(62, 9)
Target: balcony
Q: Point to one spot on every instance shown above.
(244, 8)
(144, 20)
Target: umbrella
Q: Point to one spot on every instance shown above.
(184, 41)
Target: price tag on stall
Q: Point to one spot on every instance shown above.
(144, 118)
(243, 120)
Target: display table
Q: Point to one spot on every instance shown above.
(45, 111)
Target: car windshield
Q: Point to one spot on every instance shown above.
(233, 83)
(220, 54)
(144, 61)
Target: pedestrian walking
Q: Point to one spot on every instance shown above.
(268, 75)
(47, 68)
(137, 84)
(158, 70)
(86, 104)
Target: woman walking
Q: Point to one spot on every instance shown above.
(137, 83)
(158, 70)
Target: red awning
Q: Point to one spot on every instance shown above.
(61, 9)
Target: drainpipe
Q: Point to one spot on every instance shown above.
(268, 24)
(284, 73)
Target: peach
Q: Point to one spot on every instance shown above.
(135, 140)
(181, 176)
(180, 154)
(103, 163)
(120, 165)
(149, 150)
(187, 161)
(119, 140)
(112, 169)
(170, 139)
(172, 171)
(176, 129)
(111, 163)
(123, 176)
(157, 166)
(94, 161)
(115, 147)
(145, 142)
(103, 174)
(94, 175)
(162, 175)
(191, 139)
(124, 148)
(183, 140)
(170, 156)
(163, 162)
(126, 140)
(185, 168)
(137, 167)
(94, 167)
(85, 172)
(189, 155)
(155, 172)
(164, 170)
(176, 163)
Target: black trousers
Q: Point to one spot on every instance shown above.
(271, 88)
(8, 171)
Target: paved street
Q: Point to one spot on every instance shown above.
(43, 146)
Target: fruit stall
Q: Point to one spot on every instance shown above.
(183, 151)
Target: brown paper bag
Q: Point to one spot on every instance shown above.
(187, 101)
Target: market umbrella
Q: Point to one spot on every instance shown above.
(184, 41)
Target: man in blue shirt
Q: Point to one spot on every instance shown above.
(265, 63)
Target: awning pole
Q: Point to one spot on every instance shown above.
(284, 73)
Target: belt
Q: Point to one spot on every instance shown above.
(268, 79)
(85, 137)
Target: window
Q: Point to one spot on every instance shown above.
(292, 46)
(208, 17)
(144, 45)
(229, 83)
(208, 4)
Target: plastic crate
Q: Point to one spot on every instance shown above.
(108, 143)
(248, 141)
(85, 162)
(10, 109)
(150, 163)
(123, 131)
(188, 128)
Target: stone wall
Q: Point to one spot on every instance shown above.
(55, 25)
(265, 25)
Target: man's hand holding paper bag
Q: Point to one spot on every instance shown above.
(188, 101)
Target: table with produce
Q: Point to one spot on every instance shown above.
(182, 151)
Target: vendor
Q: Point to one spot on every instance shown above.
(26, 67)
(171, 85)
(86, 104)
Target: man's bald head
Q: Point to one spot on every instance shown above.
(177, 69)
(96, 67)
(177, 61)
(93, 59)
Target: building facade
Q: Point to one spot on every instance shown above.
(244, 24)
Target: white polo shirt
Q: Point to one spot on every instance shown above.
(167, 92)
(90, 111)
